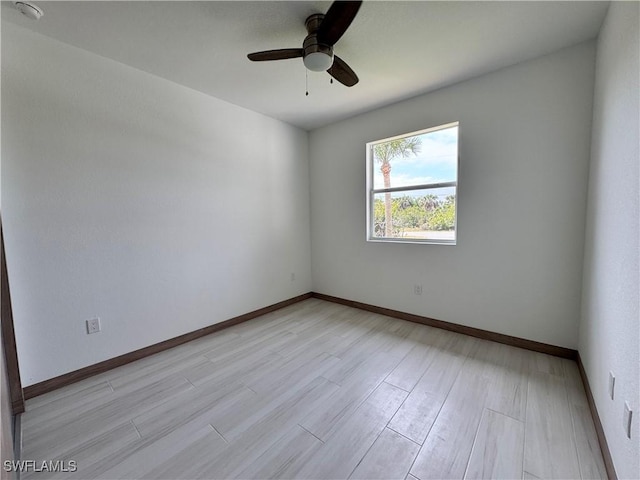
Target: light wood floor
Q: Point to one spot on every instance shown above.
(323, 391)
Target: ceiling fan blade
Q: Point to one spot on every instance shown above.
(337, 20)
(281, 54)
(342, 72)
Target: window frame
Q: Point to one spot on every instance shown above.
(371, 191)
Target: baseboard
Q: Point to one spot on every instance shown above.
(17, 437)
(602, 440)
(471, 331)
(101, 367)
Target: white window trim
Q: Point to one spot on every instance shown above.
(372, 191)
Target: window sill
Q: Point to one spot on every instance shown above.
(412, 241)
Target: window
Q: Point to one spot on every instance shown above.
(412, 183)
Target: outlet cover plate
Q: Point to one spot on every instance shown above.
(612, 384)
(93, 325)
(628, 413)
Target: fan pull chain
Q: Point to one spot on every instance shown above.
(306, 81)
(331, 81)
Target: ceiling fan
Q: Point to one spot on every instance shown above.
(324, 31)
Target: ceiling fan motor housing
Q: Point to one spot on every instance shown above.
(317, 56)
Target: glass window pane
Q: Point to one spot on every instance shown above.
(431, 157)
(428, 214)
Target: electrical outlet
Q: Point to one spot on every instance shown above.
(628, 413)
(93, 325)
(612, 384)
(417, 289)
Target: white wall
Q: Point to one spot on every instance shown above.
(524, 153)
(126, 196)
(610, 326)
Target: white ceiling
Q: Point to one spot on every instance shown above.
(398, 49)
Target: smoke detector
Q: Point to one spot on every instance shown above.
(29, 10)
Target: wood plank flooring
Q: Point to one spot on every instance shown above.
(319, 390)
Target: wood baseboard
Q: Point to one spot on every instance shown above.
(471, 331)
(101, 367)
(17, 437)
(602, 440)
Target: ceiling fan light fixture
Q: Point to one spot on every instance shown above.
(318, 61)
(317, 48)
